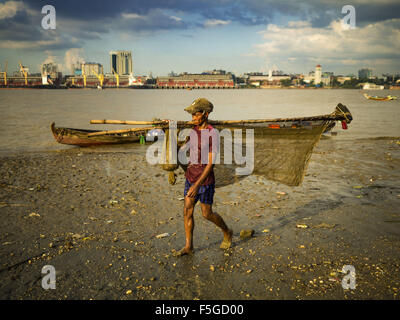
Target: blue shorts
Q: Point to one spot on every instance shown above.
(205, 193)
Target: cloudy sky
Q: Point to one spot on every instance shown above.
(194, 36)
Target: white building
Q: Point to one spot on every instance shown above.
(318, 77)
(91, 68)
(267, 80)
(318, 74)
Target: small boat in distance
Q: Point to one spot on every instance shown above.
(377, 98)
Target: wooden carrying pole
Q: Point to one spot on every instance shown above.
(218, 122)
(189, 123)
(162, 124)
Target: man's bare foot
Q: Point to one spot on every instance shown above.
(184, 252)
(227, 242)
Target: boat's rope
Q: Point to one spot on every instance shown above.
(344, 112)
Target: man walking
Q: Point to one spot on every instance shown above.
(200, 180)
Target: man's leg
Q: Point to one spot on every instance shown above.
(188, 210)
(208, 214)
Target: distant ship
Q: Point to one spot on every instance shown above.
(372, 86)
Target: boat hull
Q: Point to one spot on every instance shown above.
(80, 137)
(375, 98)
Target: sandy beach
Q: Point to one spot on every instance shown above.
(95, 215)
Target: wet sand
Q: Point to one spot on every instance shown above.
(94, 214)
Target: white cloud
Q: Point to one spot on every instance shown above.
(132, 16)
(216, 22)
(9, 44)
(299, 24)
(176, 18)
(299, 45)
(73, 57)
(10, 8)
(51, 58)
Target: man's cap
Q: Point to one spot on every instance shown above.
(200, 105)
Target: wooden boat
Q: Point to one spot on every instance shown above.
(377, 98)
(81, 137)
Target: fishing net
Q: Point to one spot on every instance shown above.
(284, 156)
(280, 155)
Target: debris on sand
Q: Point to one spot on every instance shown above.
(301, 226)
(325, 226)
(162, 235)
(247, 233)
(231, 203)
(34, 214)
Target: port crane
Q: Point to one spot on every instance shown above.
(116, 76)
(84, 77)
(100, 77)
(22, 70)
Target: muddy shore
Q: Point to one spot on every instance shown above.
(95, 214)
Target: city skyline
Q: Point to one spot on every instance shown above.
(187, 36)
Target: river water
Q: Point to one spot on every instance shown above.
(27, 113)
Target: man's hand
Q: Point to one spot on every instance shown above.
(193, 191)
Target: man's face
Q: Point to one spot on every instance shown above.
(198, 117)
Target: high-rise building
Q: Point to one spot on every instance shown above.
(318, 75)
(91, 68)
(364, 73)
(121, 62)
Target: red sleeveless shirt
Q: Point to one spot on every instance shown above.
(204, 146)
